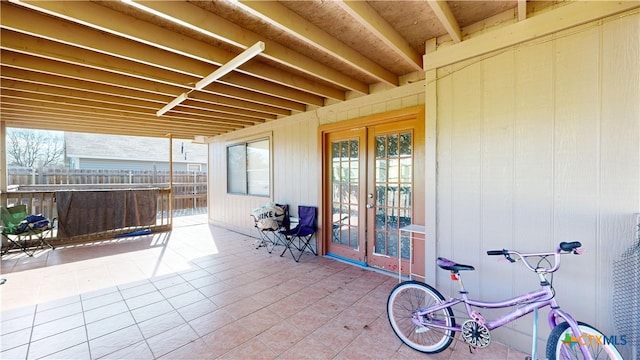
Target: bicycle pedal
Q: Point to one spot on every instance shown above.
(422, 329)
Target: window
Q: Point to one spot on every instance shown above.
(249, 168)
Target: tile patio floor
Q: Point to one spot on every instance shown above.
(198, 292)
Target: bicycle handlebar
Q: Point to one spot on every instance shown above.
(563, 248)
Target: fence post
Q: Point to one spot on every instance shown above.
(195, 191)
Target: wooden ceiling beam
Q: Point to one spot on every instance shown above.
(286, 20)
(117, 23)
(233, 105)
(209, 24)
(522, 10)
(43, 91)
(23, 61)
(44, 123)
(364, 14)
(16, 97)
(68, 120)
(35, 46)
(443, 13)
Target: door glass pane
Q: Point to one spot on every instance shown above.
(381, 219)
(393, 180)
(406, 170)
(381, 170)
(381, 194)
(393, 145)
(393, 170)
(345, 186)
(405, 144)
(381, 147)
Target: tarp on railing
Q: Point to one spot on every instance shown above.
(89, 212)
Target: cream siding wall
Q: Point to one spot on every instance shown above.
(296, 158)
(536, 145)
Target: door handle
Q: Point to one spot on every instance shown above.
(369, 206)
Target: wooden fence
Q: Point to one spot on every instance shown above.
(189, 187)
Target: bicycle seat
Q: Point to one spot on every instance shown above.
(447, 264)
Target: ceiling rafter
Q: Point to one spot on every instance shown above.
(90, 111)
(376, 24)
(49, 118)
(33, 63)
(42, 90)
(285, 19)
(522, 10)
(233, 105)
(121, 63)
(107, 66)
(100, 127)
(119, 24)
(123, 109)
(82, 118)
(447, 19)
(198, 19)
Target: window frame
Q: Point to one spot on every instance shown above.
(245, 178)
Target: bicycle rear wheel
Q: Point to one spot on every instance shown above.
(563, 344)
(402, 305)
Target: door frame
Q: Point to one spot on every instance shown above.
(324, 213)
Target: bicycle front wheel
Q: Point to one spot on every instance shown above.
(411, 324)
(564, 345)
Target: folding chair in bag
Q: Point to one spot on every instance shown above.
(20, 229)
(269, 221)
(299, 238)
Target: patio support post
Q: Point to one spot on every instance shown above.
(170, 178)
(3, 158)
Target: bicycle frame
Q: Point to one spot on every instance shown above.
(532, 300)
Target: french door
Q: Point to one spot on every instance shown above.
(374, 186)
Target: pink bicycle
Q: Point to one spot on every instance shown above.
(422, 318)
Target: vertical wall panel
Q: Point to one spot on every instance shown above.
(467, 167)
(620, 164)
(576, 162)
(537, 145)
(533, 166)
(444, 174)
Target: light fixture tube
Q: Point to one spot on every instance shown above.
(182, 97)
(245, 56)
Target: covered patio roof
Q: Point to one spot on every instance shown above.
(110, 66)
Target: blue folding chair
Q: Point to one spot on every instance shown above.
(299, 238)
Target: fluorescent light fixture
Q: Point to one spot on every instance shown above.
(245, 56)
(182, 97)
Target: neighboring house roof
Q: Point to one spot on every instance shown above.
(98, 146)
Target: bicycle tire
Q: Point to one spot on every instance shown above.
(556, 343)
(409, 296)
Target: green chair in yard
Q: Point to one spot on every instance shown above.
(24, 231)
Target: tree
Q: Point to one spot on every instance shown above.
(34, 148)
